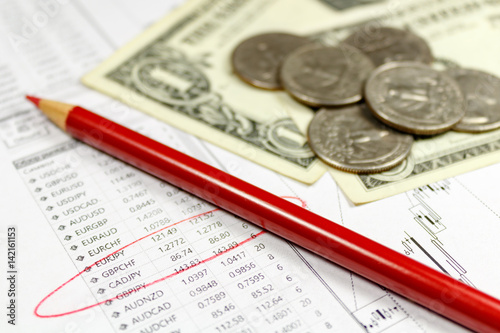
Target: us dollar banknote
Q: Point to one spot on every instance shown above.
(179, 71)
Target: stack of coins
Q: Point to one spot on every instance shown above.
(374, 91)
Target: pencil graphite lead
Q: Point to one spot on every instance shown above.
(57, 112)
(33, 99)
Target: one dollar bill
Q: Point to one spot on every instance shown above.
(179, 71)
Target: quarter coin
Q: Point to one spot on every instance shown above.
(482, 96)
(414, 98)
(326, 76)
(351, 139)
(385, 44)
(257, 59)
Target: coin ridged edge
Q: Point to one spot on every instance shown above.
(397, 64)
(381, 168)
(256, 82)
(467, 128)
(317, 102)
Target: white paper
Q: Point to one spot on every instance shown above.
(70, 206)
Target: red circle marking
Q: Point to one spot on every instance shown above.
(303, 204)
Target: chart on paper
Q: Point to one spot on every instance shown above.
(154, 256)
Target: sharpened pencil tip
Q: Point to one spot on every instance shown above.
(34, 100)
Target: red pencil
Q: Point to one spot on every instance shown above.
(426, 286)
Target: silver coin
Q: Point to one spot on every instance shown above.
(257, 59)
(326, 76)
(482, 95)
(414, 98)
(384, 44)
(351, 139)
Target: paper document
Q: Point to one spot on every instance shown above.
(91, 244)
